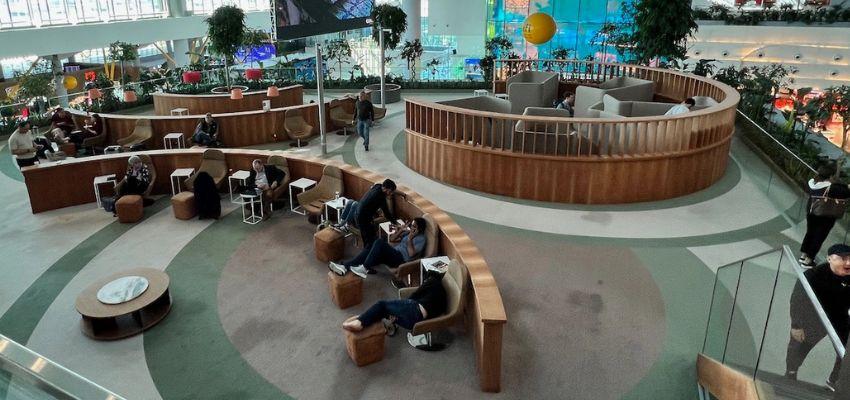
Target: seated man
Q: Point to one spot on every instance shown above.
(206, 133)
(428, 301)
(411, 238)
(683, 107)
(568, 103)
(265, 178)
(138, 177)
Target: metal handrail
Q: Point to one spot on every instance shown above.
(777, 141)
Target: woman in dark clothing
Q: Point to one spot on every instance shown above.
(817, 226)
(93, 128)
(428, 301)
(207, 199)
(137, 178)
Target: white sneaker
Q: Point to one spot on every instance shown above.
(830, 386)
(360, 271)
(338, 269)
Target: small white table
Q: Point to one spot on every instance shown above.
(337, 205)
(99, 180)
(503, 96)
(428, 264)
(179, 111)
(480, 92)
(385, 227)
(251, 201)
(240, 176)
(176, 175)
(174, 137)
(302, 185)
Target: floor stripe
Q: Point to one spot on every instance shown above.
(8, 166)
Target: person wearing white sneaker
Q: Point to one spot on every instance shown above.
(821, 220)
(830, 283)
(411, 242)
(429, 300)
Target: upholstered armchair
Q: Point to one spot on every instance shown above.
(280, 191)
(296, 127)
(622, 88)
(380, 113)
(455, 283)
(146, 159)
(313, 200)
(141, 134)
(213, 163)
(91, 143)
(339, 117)
(407, 274)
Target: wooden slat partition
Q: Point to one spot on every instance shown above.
(221, 103)
(69, 183)
(635, 159)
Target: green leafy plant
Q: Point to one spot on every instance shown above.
(339, 50)
(123, 52)
(494, 48)
(226, 32)
(561, 53)
(704, 67)
(836, 100)
(410, 52)
(661, 29)
(386, 16)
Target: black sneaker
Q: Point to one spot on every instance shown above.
(398, 283)
(792, 375)
(367, 148)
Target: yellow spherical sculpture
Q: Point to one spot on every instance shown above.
(70, 82)
(539, 28)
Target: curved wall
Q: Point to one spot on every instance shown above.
(67, 183)
(221, 103)
(578, 160)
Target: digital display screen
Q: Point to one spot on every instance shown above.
(302, 18)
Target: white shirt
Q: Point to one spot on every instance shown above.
(678, 109)
(20, 141)
(261, 180)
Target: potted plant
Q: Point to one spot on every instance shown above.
(122, 52)
(386, 16)
(339, 50)
(410, 52)
(226, 32)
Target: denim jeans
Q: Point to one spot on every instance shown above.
(380, 252)
(406, 311)
(349, 212)
(363, 130)
(202, 138)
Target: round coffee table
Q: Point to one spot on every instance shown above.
(116, 321)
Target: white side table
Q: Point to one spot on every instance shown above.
(99, 180)
(301, 185)
(240, 176)
(176, 175)
(179, 111)
(251, 201)
(175, 137)
(337, 205)
(480, 92)
(428, 264)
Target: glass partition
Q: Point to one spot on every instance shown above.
(25, 374)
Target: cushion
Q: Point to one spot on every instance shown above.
(346, 291)
(367, 346)
(183, 205)
(329, 245)
(129, 208)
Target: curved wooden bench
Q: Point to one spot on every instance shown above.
(68, 183)
(578, 160)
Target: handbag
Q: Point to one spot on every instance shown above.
(825, 206)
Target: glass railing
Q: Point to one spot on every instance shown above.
(25, 374)
(765, 322)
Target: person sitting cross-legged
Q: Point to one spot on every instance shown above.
(411, 242)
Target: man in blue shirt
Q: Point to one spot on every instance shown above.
(411, 242)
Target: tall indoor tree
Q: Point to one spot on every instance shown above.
(410, 52)
(661, 29)
(123, 52)
(339, 50)
(387, 16)
(226, 32)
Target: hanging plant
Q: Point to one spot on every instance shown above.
(390, 17)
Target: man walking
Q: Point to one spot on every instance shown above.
(364, 115)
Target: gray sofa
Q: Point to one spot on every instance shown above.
(550, 138)
(610, 107)
(622, 88)
(532, 89)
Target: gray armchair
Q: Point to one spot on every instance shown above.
(532, 89)
(622, 88)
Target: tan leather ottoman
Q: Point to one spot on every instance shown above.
(329, 245)
(346, 291)
(367, 346)
(183, 205)
(129, 208)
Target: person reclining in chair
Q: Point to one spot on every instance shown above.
(411, 241)
(428, 301)
(265, 178)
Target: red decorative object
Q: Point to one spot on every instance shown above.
(784, 104)
(130, 96)
(191, 76)
(90, 76)
(94, 94)
(253, 74)
(25, 113)
(273, 91)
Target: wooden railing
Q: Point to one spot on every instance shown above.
(221, 103)
(579, 160)
(68, 183)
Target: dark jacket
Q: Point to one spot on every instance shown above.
(273, 174)
(207, 199)
(364, 111)
(432, 296)
(210, 128)
(373, 200)
(833, 293)
(837, 190)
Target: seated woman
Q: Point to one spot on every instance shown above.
(61, 124)
(137, 179)
(93, 128)
(206, 133)
(265, 178)
(411, 238)
(428, 301)
(207, 199)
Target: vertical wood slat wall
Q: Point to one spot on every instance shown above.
(668, 156)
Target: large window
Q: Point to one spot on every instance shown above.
(37, 13)
(207, 6)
